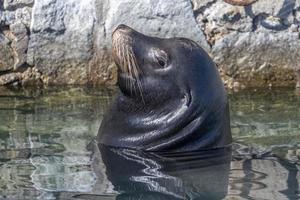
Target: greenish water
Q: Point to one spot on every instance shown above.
(44, 136)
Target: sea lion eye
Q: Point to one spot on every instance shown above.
(161, 58)
(161, 63)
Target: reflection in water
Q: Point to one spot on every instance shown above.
(190, 175)
(43, 154)
(268, 178)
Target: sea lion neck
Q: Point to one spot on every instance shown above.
(149, 103)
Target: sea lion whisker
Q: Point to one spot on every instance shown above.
(123, 57)
(122, 61)
(136, 75)
(133, 67)
(129, 69)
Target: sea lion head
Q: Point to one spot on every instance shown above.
(150, 66)
(171, 93)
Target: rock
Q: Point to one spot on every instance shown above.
(2, 17)
(7, 18)
(270, 16)
(236, 85)
(257, 45)
(240, 2)
(297, 15)
(9, 78)
(64, 40)
(294, 28)
(199, 5)
(31, 77)
(158, 18)
(14, 4)
(298, 78)
(258, 58)
(219, 19)
(24, 15)
(61, 40)
(20, 15)
(264, 6)
(4, 40)
(6, 54)
(20, 43)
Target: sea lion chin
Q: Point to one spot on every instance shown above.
(171, 96)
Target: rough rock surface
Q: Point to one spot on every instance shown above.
(64, 38)
(61, 40)
(68, 42)
(162, 18)
(9, 78)
(257, 45)
(6, 61)
(14, 4)
(19, 43)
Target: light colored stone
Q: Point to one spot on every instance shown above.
(6, 54)
(20, 43)
(258, 56)
(294, 28)
(64, 39)
(298, 77)
(222, 18)
(8, 17)
(162, 18)
(297, 15)
(4, 40)
(198, 4)
(265, 6)
(31, 77)
(9, 78)
(256, 45)
(61, 40)
(14, 4)
(24, 15)
(20, 15)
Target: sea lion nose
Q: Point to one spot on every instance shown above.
(123, 28)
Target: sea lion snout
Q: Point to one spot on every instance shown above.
(123, 29)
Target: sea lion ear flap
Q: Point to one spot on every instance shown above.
(187, 95)
(188, 98)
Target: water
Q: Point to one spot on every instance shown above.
(46, 151)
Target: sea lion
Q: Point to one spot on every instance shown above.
(171, 96)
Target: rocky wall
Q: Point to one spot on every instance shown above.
(68, 42)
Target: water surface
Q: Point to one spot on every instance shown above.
(44, 136)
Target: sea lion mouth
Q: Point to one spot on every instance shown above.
(125, 58)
